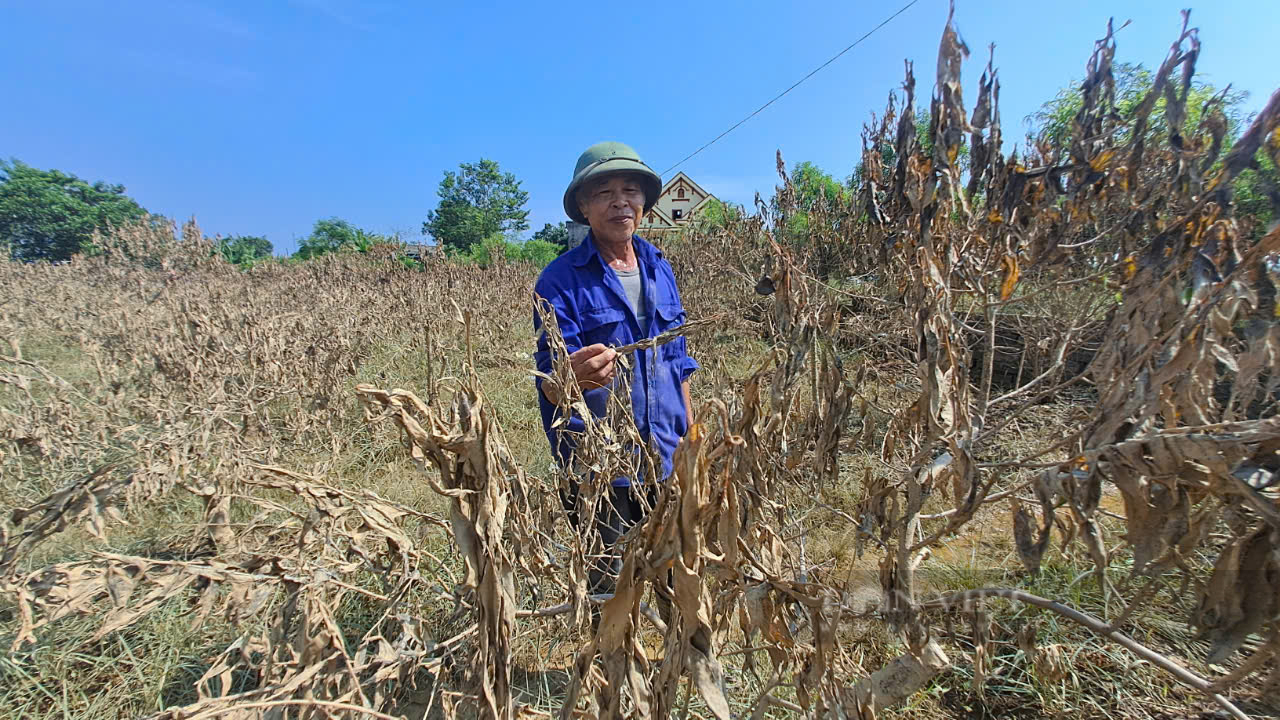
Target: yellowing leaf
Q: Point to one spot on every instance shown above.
(1010, 277)
(1103, 159)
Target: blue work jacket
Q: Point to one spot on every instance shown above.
(591, 307)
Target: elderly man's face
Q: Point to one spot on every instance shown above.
(613, 207)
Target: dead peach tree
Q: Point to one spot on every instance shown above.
(1179, 329)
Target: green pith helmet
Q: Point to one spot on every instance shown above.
(607, 158)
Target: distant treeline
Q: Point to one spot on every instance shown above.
(482, 212)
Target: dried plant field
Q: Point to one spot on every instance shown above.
(998, 440)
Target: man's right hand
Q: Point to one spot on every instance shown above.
(593, 366)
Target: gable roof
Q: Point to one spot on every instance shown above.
(681, 176)
(659, 220)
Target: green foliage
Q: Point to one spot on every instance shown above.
(814, 186)
(540, 252)
(495, 249)
(557, 234)
(411, 263)
(717, 214)
(1256, 193)
(476, 203)
(1053, 121)
(334, 235)
(244, 249)
(815, 190)
(51, 215)
(1254, 190)
(483, 253)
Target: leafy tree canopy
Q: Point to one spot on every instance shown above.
(52, 215)
(1257, 194)
(244, 249)
(496, 248)
(1253, 189)
(335, 234)
(557, 235)
(477, 202)
(814, 186)
(1052, 122)
(539, 252)
(717, 214)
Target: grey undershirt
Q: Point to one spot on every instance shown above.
(633, 286)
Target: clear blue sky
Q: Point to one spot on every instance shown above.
(261, 117)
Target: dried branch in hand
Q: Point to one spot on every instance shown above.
(668, 336)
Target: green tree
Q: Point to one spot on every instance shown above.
(818, 210)
(52, 215)
(540, 252)
(477, 202)
(557, 235)
(1257, 194)
(717, 214)
(496, 248)
(244, 249)
(335, 234)
(815, 189)
(1255, 190)
(815, 186)
(1053, 121)
(484, 253)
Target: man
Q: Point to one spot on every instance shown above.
(613, 289)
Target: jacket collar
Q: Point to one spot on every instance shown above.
(587, 251)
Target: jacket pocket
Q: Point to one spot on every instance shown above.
(670, 316)
(603, 325)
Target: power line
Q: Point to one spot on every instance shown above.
(793, 87)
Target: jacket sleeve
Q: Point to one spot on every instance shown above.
(688, 366)
(558, 300)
